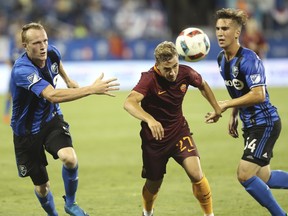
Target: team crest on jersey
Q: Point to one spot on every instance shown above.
(220, 69)
(22, 170)
(54, 68)
(255, 78)
(183, 88)
(33, 78)
(235, 71)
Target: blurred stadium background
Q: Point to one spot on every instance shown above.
(91, 32)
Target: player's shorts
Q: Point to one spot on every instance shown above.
(30, 150)
(155, 158)
(259, 142)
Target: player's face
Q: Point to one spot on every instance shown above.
(227, 33)
(169, 69)
(36, 46)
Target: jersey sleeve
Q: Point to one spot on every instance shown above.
(56, 51)
(27, 77)
(254, 72)
(144, 84)
(195, 78)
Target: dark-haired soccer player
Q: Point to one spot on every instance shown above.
(244, 76)
(37, 120)
(157, 101)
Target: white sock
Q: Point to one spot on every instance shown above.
(147, 213)
(209, 214)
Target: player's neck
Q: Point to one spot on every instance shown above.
(231, 51)
(39, 63)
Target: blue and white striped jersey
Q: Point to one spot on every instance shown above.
(244, 72)
(30, 111)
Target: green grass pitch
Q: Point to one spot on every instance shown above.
(106, 139)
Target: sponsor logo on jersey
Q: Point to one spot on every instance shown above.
(235, 71)
(255, 78)
(161, 92)
(183, 88)
(236, 83)
(54, 68)
(33, 78)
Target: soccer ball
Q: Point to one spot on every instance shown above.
(192, 44)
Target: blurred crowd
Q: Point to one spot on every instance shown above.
(134, 19)
(69, 19)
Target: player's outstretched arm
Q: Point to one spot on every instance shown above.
(100, 87)
(69, 82)
(209, 95)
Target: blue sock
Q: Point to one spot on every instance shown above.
(70, 178)
(47, 203)
(278, 179)
(262, 193)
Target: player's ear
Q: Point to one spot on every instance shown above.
(237, 34)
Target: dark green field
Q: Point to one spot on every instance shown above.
(106, 139)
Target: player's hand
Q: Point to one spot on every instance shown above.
(232, 127)
(101, 86)
(156, 129)
(212, 117)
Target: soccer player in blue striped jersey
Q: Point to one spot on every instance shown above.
(244, 76)
(37, 121)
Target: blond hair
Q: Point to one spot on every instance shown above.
(28, 26)
(165, 51)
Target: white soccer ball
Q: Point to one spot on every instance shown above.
(192, 44)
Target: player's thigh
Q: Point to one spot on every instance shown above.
(193, 168)
(154, 165)
(264, 173)
(57, 136)
(246, 170)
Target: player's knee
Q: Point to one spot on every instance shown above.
(68, 157)
(153, 186)
(70, 161)
(43, 189)
(242, 177)
(195, 176)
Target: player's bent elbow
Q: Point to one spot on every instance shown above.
(126, 105)
(49, 96)
(52, 99)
